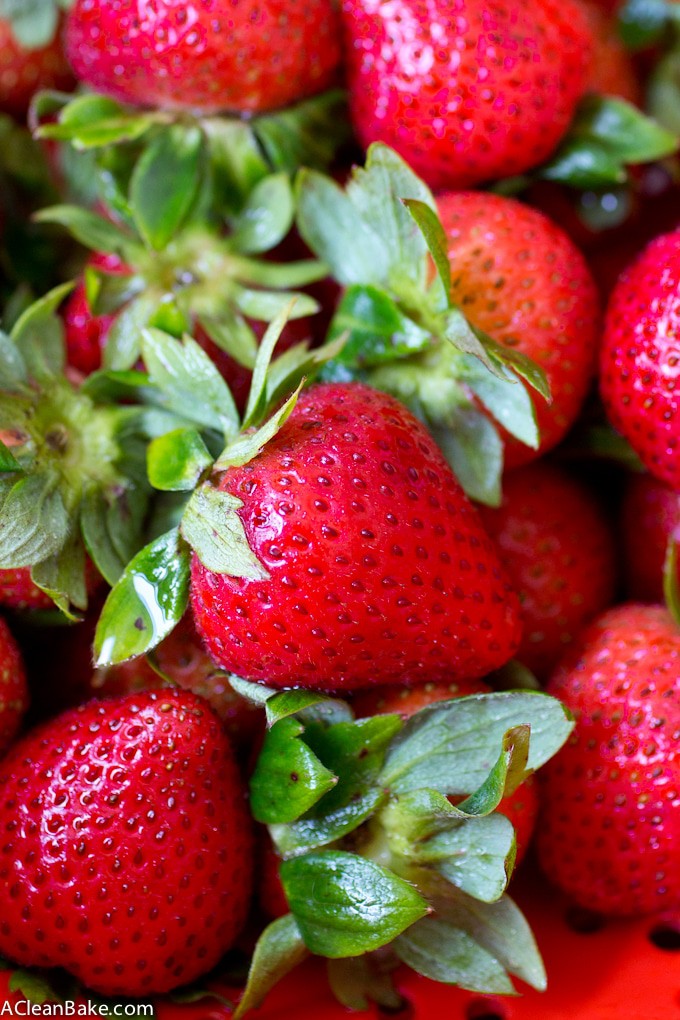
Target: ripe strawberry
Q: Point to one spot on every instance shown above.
(557, 547)
(610, 827)
(520, 807)
(13, 688)
(85, 332)
(612, 72)
(650, 513)
(17, 590)
(218, 55)
(466, 91)
(640, 360)
(182, 659)
(351, 507)
(519, 278)
(127, 844)
(24, 71)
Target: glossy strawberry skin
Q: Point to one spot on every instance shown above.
(558, 549)
(86, 333)
(126, 850)
(520, 807)
(379, 568)
(13, 687)
(17, 590)
(208, 56)
(610, 824)
(466, 91)
(640, 359)
(24, 72)
(650, 514)
(519, 278)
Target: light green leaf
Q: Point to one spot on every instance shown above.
(249, 444)
(377, 330)
(308, 134)
(87, 227)
(212, 527)
(288, 778)
(13, 369)
(506, 399)
(124, 339)
(474, 450)
(476, 855)
(435, 237)
(232, 334)
(264, 305)
(279, 950)
(177, 459)
(147, 602)
(8, 462)
(439, 951)
(34, 523)
(62, 576)
(39, 335)
(266, 217)
(258, 385)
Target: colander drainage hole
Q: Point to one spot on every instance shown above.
(484, 1009)
(582, 921)
(404, 1011)
(665, 936)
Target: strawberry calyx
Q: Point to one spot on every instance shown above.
(182, 385)
(72, 476)
(33, 22)
(363, 804)
(182, 273)
(381, 238)
(225, 156)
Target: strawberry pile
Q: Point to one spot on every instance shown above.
(339, 488)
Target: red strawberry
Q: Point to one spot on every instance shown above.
(610, 827)
(557, 547)
(466, 91)
(13, 689)
(17, 590)
(85, 333)
(211, 56)
(612, 72)
(379, 569)
(183, 660)
(520, 807)
(650, 513)
(640, 362)
(24, 71)
(519, 278)
(126, 855)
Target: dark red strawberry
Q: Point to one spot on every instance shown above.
(640, 361)
(211, 56)
(610, 826)
(558, 549)
(519, 278)
(466, 91)
(85, 332)
(351, 507)
(126, 855)
(13, 688)
(612, 72)
(17, 591)
(650, 514)
(520, 807)
(24, 71)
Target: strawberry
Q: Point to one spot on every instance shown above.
(650, 514)
(395, 608)
(17, 590)
(557, 547)
(640, 360)
(85, 332)
(520, 806)
(466, 91)
(610, 826)
(522, 280)
(13, 688)
(612, 72)
(24, 70)
(210, 56)
(126, 830)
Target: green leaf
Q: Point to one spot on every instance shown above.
(264, 305)
(463, 336)
(346, 905)
(263, 273)
(474, 450)
(501, 929)
(107, 293)
(94, 522)
(378, 331)
(288, 778)
(671, 583)
(235, 159)
(231, 333)
(8, 462)
(641, 23)
(444, 953)
(506, 399)
(34, 523)
(165, 182)
(177, 460)
(62, 576)
(266, 217)
(507, 774)
(146, 603)
(435, 237)
(91, 121)
(309, 133)
(524, 367)
(623, 130)
(124, 339)
(36, 988)
(258, 385)
(87, 227)
(282, 704)
(13, 368)
(212, 527)
(452, 747)
(189, 381)
(584, 164)
(359, 980)
(39, 335)
(249, 444)
(33, 22)
(476, 855)
(279, 950)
